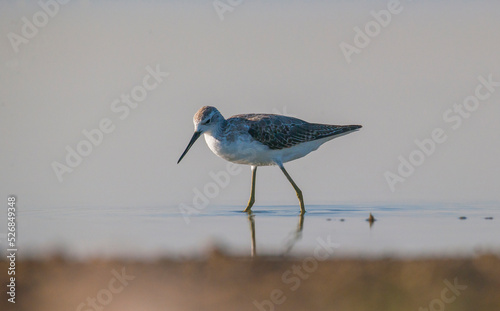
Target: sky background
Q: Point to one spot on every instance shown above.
(283, 57)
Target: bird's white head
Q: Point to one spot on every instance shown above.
(206, 120)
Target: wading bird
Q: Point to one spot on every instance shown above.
(262, 140)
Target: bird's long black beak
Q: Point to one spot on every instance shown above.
(196, 135)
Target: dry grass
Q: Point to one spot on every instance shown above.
(227, 283)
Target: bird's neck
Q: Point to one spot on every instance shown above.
(218, 130)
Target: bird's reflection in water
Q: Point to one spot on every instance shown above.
(252, 230)
(293, 238)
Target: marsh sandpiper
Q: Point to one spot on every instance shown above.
(262, 140)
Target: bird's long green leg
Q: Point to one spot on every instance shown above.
(297, 190)
(252, 192)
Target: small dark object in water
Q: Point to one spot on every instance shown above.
(328, 219)
(489, 218)
(371, 219)
(462, 217)
(342, 219)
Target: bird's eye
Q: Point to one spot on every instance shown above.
(208, 121)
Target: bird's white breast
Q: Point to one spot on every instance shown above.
(245, 150)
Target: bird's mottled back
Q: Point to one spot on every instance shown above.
(279, 132)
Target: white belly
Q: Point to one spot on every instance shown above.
(250, 152)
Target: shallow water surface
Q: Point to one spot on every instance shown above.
(138, 232)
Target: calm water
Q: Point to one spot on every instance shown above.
(139, 232)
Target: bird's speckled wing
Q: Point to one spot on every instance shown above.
(279, 132)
